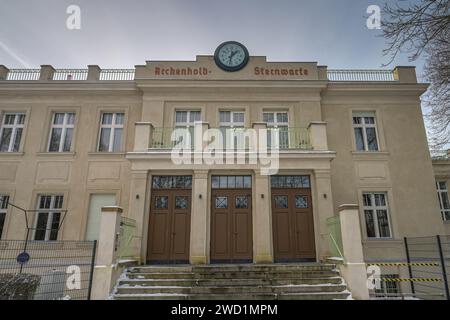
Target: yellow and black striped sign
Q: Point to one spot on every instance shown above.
(405, 264)
(411, 279)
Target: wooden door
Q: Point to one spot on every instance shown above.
(293, 225)
(231, 226)
(169, 226)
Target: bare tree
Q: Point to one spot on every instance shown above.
(422, 28)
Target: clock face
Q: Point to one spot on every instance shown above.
(231, 56)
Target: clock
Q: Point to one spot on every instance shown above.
(231, 56)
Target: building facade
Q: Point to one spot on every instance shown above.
(78, 140)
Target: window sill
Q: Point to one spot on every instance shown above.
(381, 241)
(106, 154)
(55, 154)
(12, 154)
(368, 154)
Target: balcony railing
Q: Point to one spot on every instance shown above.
(23, 74)
(289, 138)
(70, 74)
(117, 75)
(360, 75)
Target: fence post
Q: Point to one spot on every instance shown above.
(91, 276)
(444, 272)
(408, 259)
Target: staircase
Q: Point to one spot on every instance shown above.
(232, 282)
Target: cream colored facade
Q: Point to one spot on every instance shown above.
(339, 174)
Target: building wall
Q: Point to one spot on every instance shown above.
(402, 167)
(74, 174)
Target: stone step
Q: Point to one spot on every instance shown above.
(234, 268)
(233, 275)
(232, 290)
(267, 296)
(228, 282)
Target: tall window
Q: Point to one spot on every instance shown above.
(232, 125)
(3, 209)
(186, 119)
(364, 126)
(11, 132)
(111, 130)
(48, 217)
(444, 202)
(376, 213)
(61, 132)
(277, 120)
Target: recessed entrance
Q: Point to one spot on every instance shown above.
(292, 219)
(170, 220)
(231, 219)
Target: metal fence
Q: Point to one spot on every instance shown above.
(64, 268)
(428, 261)
(360, 75)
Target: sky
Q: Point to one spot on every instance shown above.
(122, 34)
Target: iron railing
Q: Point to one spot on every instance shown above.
(335, 237)
(360, 75)
(233, 138)
(23, 74)
(125, 249)
(70, 74)
(116, 75)
(64, 269)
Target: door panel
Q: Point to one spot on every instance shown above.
(293, 225)
(169, 226)
(231, 226)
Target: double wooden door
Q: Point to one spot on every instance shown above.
(231, 226)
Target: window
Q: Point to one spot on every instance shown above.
(61, 132)
(443, 197)
(364, 126)
(232, 125)
(388, 289)
(172, 182)
(4, 199)
(376, 215)
(231, 182)
(280, 121)
(290, 182)
(186, 119)
(48, 217)
(11, 132)
(111, 129)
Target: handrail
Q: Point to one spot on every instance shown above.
(116, 75)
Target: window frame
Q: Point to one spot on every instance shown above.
(364, 126)
(374, 208)
(113, 126)
(383, 291)
(276, 125)
(14, 128)
(3, 211)
(440, 192)
(188, 123)
(64, 128)
(50, 211)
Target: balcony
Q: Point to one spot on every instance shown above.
(233, 138)
(151, 139)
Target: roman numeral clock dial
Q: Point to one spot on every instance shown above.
(231, 56)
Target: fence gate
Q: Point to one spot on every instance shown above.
(52, 270)
(429, 266)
